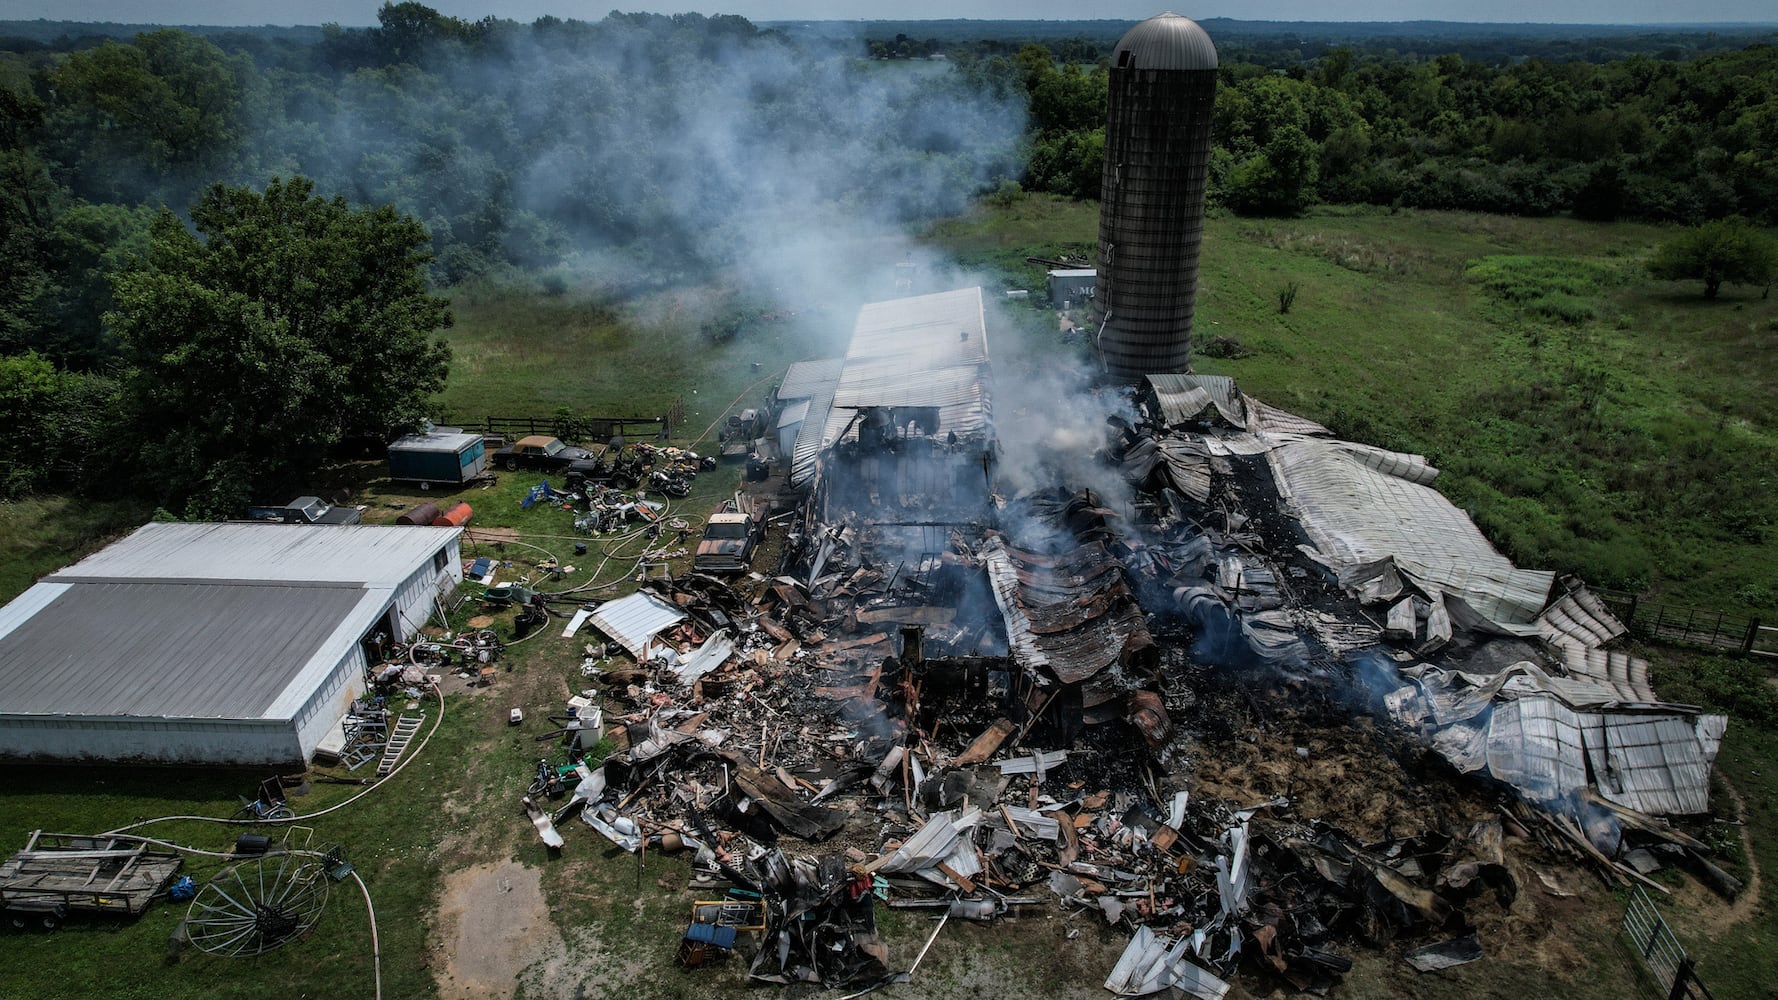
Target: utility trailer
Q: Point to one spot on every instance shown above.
(445, 455)
(61, 874)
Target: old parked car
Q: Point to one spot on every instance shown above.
(727, 544)
(540, 451)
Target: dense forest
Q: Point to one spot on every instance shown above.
(649, 149)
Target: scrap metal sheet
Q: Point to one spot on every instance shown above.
(1358, 509)
(633, 621)
(1185, 398)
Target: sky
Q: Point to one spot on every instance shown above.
(363, 12)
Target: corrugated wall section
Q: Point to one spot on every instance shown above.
(1151, 221)
(165, 741)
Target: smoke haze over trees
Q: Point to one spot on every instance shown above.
(647, 151)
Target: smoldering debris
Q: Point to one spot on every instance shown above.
(1176, 714)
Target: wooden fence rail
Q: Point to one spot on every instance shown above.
(1672, 623)
(570, 427)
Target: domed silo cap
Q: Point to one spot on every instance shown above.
(1165, 41)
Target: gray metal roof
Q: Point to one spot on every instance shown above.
(1361, 505)
(806, 378)
(1655, 763)
(1166, 41)
(260, 552)
(171, 650)
(441, 439)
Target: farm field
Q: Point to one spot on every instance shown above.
(1591, 420)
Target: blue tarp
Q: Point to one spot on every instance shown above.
(542, 491)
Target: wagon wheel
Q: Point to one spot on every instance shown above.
(252, 908)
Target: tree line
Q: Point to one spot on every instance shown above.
(1634, 138)
(135, 175)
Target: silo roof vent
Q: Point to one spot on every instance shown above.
(1165, 41)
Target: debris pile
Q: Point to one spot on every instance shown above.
(1240, 737)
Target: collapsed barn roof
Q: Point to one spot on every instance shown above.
(920, 352)
(1586, 719)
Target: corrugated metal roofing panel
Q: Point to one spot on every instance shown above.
(956, 386)
(175, 650)
(1184, 398)
(925, 350)
(809, 437)
(1577, 625)
(806, 378)
(634, 620)
(22, 607)
(1357, 515)
(255, 551)
(1262, 416)
(1534, 744)
(1652, 763)
(793, 414)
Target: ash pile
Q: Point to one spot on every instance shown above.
(1276, 701)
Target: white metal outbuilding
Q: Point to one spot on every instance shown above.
(237, 643)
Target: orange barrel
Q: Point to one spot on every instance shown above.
(423, 514)
(456, 517)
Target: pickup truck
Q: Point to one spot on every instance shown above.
(727, 544)
(306, 510)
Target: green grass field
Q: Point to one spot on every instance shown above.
(1591, 420)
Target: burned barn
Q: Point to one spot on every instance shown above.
(1252, 694)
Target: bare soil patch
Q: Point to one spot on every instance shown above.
(492, 923)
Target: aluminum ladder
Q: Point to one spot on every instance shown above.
(403, 733)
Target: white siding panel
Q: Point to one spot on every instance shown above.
(165, 741)
(327, 706)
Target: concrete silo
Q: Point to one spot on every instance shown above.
(1151, 217)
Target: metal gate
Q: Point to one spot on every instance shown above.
(1653, 940)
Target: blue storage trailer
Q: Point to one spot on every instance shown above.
(440, 455)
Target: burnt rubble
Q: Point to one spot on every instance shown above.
(1171, 712)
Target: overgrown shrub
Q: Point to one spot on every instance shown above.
(1563, 308)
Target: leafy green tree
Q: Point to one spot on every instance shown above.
(88, 245)
(1279, 180)
(53, 420)
(1731, 250)
(27, 199)
(285, 323)
(149, 120)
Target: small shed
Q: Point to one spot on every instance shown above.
(230, 643)
(439, 455)
(1072, 285)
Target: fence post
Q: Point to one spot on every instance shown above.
(1752, 633)
(1630, 615)
(1682, 977)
